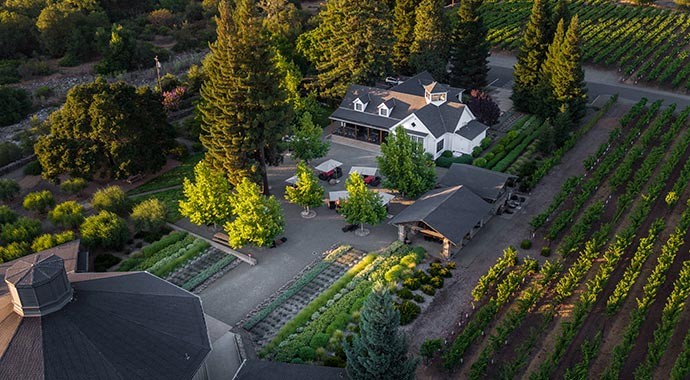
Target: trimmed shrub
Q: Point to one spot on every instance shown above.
(436, 282)
(8, 189)
(105, 229)
(24, 230)
(408, 312)
(149, 215)
(67, 214)
(526, 244)
(411, 283)
(39, 201)
(47, 241)
(409, 261)
(479, 162)
(14, 250)
(394, 273)
(545, 251)
(9, 152)
(443, 272)
(7, 215)
(319, 340)
(33, 168)
(74, 185)
(102, 262)
(420, 253)
(428, 289)
(422, 277)
(418, 298)
(307, 354)
(450, 265)
(112, 199)
(405, 293)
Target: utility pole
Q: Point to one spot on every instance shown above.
(158, 73)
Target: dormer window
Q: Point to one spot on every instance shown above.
(383, 111)
(361, 103)
(439, 97)
(359, 107)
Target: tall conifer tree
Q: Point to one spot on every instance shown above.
(544, 92)
(469, 48)
(403, 30)
(561, 11)
(380, 350)
(530, 57)
(243, 110)
(568, 77)
(350, 45)
(430, 48)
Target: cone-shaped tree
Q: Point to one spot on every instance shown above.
(531, 56)
(403, 30)
(380, 350)
(207, 198)
(430, 48)
(306, 143)
(258, 218)
(362, 205)
(544, 92)
(405, 165)
(243, 110)
(469, 49)
(561, 11)
(350, 45)
(568, 77)
(306, 192)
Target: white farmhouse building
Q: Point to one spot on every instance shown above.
(431, 113)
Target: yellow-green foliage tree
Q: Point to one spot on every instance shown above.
(258, 218)
(362, 205)
(307, 192)
(207, 199)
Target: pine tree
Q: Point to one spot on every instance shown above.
(469, 50)
(350, 45)
(430, 48)
(403, 30)
(258, 218)
(561, 11)
(545, 103)
(306, 192)
(306, 143)
(380, 350)
(207, 199)
(530, 57)
(568, 77)
(243, 110)
(362, 205)
(405, 165)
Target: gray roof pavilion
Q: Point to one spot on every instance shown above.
(486, 183)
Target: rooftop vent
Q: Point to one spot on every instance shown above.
(38, 285)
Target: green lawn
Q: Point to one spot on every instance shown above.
(173, 177)
(169, 197)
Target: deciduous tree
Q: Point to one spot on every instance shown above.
(362, 205)
(243, 110)
(47, 241)
(149, 215)
(112, 199)
(39, 201)
(350, 45)
(430, 48)
(405, 165)
(306, 143)
(484, 107)
(307, 192)
(207, 199)
(106, 130)
(104, 229)
(469, 51)
(380, 350)
(258, 218)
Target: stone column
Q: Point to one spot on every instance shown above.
(401, 232)
(446, 249)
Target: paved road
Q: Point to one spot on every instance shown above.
(599, 82)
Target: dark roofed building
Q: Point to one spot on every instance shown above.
(57, 323)
(432, 113)
(491, 185)
(267, 370)
(451, 214)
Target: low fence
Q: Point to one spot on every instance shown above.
(16, 164)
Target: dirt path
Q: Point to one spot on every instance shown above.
(453, 303)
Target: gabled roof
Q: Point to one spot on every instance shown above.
(390, 103)
(472, 129)
(269, 370)
(364, 98)
(450, 211)
(440, 119)
(483, 182)
(435, 87)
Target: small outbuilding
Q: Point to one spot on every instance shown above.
(450, 214)
(492, 186)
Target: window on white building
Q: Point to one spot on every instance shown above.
(359, 107)
(417, 139)
(383, 111)
(439, 146)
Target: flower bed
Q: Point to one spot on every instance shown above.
(138, 257)
(170, 263)
(208, 272)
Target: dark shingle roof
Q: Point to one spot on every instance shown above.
(117, 326)
(266, 370)
(472, 129)
(450, 211)
(483, 182)
(364, 118)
